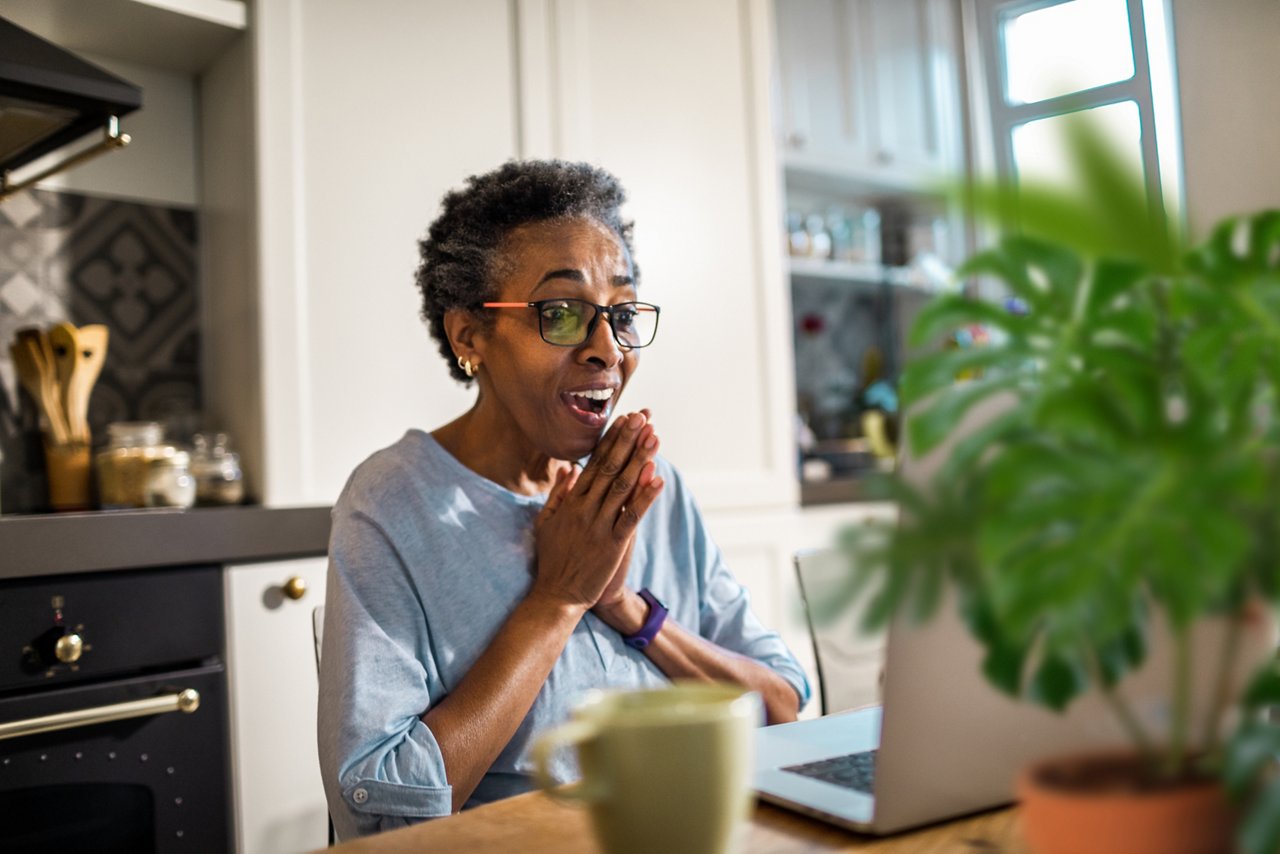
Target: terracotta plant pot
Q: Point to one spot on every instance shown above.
(1094, 804)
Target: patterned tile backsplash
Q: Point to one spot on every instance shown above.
(83, 259)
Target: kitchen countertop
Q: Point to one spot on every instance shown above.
(843, 490)
(60, 543)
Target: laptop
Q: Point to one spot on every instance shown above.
(943, 742)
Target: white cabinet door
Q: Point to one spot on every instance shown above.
(280, 805)
(914, 75)
(868, 88)
(824, 82)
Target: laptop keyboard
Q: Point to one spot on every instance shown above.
(855, 771)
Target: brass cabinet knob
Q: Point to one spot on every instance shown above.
(68, 648)
(295, 588)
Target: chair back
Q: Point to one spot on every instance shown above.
(850, 662)
(317, 631)
(317, 635)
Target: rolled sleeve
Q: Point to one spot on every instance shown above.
(381, 795)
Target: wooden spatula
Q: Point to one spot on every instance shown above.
(91, 356)
(65, 343)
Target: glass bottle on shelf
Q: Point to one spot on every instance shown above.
(169, 482)
(841, 230)
(871, 236)
(797, 238)
(219, 479)
(819, 239)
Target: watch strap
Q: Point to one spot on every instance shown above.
(652, 624)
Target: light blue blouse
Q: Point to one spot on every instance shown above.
(426, 561)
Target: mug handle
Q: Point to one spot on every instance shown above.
(566, 735)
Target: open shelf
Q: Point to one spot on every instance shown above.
(182, 36)
(858, 273)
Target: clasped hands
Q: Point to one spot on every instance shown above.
(585, 533)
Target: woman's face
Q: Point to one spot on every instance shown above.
(542, 389)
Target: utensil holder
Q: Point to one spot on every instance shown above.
(68, 469)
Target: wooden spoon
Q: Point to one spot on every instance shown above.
(91, 356)
(65, 344)
(33, 360)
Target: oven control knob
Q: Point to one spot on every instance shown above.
(68, 648)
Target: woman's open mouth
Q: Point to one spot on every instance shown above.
(590, 406)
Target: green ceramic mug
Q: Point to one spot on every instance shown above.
(662, 770)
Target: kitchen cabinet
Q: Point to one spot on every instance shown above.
(280, 804)
(869, 89)
(823, 85)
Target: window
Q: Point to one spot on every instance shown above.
(1045, 60)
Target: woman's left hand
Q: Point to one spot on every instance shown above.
(615, 590)
(617, 586)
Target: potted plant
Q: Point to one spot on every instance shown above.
(1133, 475)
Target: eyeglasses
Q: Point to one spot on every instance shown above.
(569, 322)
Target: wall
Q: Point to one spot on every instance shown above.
(1228, 69)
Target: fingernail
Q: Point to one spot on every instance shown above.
(656, 483)
(635, 420)
(651, 442)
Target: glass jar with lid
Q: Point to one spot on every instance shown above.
(216, 468)
(122, 466)
(169, 480)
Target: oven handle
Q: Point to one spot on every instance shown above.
(187, 701)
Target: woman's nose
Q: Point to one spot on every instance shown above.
(601, 345)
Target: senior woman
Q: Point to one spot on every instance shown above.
(479, 580)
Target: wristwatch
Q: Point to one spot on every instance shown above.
(652, 623)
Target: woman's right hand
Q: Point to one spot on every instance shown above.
(583, 532)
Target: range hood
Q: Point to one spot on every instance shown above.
(49, 98)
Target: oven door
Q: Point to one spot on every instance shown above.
(156, 781)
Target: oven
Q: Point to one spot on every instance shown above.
(113, 713)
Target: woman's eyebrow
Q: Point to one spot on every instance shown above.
(567, 273)
(576, 275)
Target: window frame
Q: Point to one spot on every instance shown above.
(1004, 117)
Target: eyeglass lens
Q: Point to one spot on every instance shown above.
(567, 322)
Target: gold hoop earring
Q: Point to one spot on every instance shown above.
(466, 366)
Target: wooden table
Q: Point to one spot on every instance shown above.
(537, 824)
